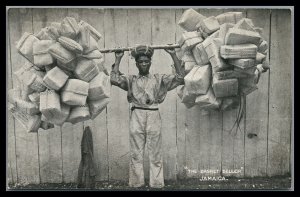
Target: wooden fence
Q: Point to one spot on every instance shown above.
(192, 141)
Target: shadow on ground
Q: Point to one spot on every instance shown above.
(274, 183)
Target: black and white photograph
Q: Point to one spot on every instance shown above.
(133, 98)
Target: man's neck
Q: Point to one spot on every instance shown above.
(144, 74)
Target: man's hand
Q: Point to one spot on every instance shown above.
(170, 51)
(119, 54)
(177, 62)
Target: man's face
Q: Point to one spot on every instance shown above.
(143, 63)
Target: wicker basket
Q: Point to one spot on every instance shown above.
(225, 88)
(229, 17)
(69, 27)
(242, 51)
(240, 36)
(93, 32)
(70, 44)
(48, 33)
(50, 104)
(86, 69)
(25, 45)
(79, 114)
(61, 54)
(41, 56)
(97, 106)
(30, 122)
(189, 19)
(99, 87)
(189, 39)
(55, 78)
(208, 25)
(75, 92)
(198, 80)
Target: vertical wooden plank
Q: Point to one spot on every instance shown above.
(215, 141)
(180, 115)
(209, 128)
(49, 140)
(139, 32)
(215, 125)
(196, 151)
(257, 110)
(163, 32)
(11, 138)
(71, 133)
(233, 141)
(115, 24)
(26, 143)
(280, 108)
(71, 140)
(197, 135)
(95, 17)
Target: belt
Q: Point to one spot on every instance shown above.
(151, 109)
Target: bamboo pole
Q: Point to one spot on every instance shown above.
(172, 46)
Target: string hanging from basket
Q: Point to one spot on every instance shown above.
(240, 115)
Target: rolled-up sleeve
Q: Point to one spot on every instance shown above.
(119, 79)
(169, 82)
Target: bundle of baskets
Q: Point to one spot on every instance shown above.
(223, 58)
(63, 79)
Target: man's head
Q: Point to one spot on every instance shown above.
(143, 63)
(142, 55)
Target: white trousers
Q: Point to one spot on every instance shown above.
(145, 131)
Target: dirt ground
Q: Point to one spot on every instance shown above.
(274, 183)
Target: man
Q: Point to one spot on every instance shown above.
(145, 92)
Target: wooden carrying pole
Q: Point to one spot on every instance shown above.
(132, 48)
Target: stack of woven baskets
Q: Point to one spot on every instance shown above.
(63, 79)
(223, 57)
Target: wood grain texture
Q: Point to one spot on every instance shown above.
(191, 139)
(95, 17)
(280, 104)
(49, 140)
(210, 128)
(71, 142)
(257, 110)
(115, 24)
(196, 151)
(180, 115)
(26, 143)
(11, 165)
(233, 141)
(163, 32)
(71, 133)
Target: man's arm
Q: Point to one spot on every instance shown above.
(116, 78)
(118, 59)
(177, 62)
(169, 82)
